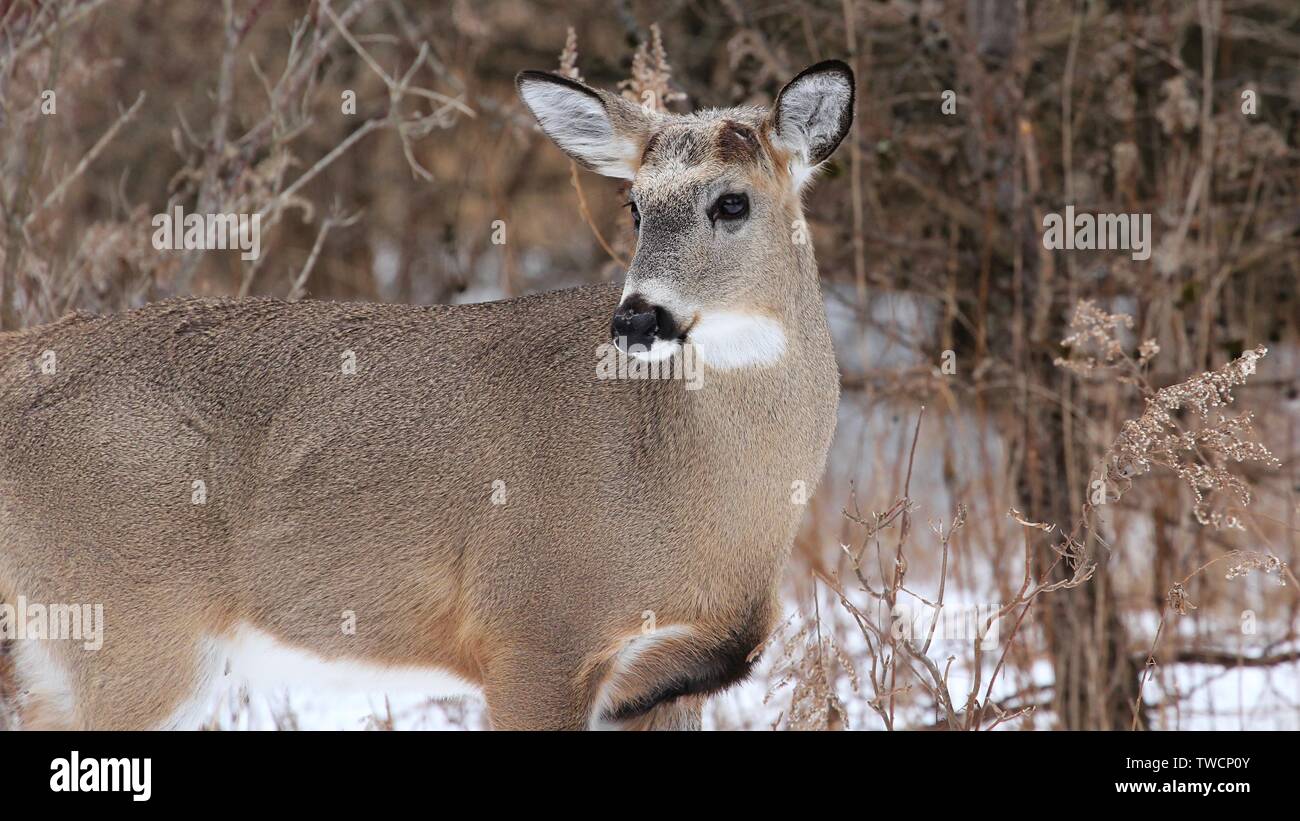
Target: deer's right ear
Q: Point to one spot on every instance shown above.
(601, 131)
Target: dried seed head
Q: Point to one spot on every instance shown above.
(1178, 601)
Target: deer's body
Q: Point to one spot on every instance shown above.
(470, 496)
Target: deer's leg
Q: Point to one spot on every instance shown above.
(679, 714)
(534, 692)
(145, 688)
(42, 687)
(134, 680)
(147, 683)
(659, 680)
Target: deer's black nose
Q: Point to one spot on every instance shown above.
(638, 323)
(634, 323)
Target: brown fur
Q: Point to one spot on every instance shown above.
(737, 143)
(372, 492)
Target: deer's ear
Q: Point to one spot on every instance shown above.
(600, 130)
(813, 114)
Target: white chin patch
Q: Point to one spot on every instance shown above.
(728, 340)
(660, 349)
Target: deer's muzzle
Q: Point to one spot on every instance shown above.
(637, 325)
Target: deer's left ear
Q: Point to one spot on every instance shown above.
(812, 115)
(602, 131)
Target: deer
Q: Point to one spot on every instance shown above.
(447, 499)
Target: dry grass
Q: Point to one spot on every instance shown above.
(900, 665)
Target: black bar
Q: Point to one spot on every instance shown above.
(990, 771)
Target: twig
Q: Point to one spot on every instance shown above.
(586, 215)
(56, 196)
(298, 291)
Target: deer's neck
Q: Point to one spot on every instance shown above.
(792, 399)
(756, 440)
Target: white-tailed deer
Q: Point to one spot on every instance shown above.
(392, 493)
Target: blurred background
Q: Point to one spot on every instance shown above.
(1119, 534)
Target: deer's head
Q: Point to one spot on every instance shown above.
(715, 201)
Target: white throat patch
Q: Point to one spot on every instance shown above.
(729, 340)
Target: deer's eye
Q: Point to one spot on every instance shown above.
(730, 207)
(636, 216)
